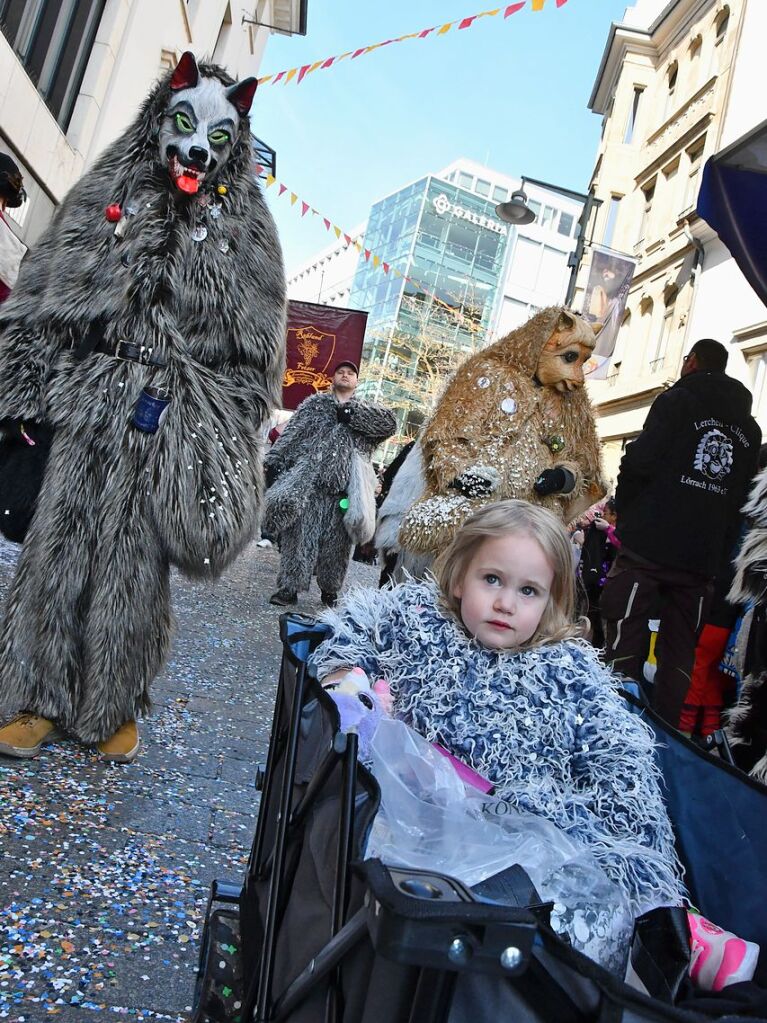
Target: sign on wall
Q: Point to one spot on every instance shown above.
(604, 302)
(318, 338)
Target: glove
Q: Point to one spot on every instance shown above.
(473, 484)
(554, 481)
(344, 413)
(271, 472)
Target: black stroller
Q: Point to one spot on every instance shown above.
(313, 934)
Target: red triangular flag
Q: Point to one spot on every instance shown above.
(283, 188)
(348, 239)
(367, 253)
(386, 267)
(513, 8)
(326, 222)
(302, 72)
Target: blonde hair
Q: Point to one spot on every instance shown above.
(506, 518)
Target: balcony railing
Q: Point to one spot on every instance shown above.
(656, 365)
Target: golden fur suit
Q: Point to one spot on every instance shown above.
(512, 411)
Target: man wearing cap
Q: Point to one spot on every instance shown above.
(321, 499)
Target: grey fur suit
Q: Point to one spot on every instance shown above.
(313, 462)
(87, 623)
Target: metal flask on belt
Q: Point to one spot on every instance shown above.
(150, 409)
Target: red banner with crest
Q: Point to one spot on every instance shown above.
(319, 337)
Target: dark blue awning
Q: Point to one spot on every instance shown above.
(733, 201)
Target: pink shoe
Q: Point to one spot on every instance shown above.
(718, 957)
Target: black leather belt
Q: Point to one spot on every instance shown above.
(130, 352)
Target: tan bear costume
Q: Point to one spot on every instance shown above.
(513, 415)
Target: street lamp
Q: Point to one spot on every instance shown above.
(516, 210)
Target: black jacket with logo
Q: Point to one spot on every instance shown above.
(683, 481)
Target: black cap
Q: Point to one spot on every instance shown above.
(11, 182)
(349, 363)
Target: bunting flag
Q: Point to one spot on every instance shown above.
(370, 257)
(298, 74)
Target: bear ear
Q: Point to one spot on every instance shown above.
(187, 74)
(241, 95)
(566, 320)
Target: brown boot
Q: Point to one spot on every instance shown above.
(122, 747)
(26, 735)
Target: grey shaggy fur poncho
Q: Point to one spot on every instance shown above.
(87, 624)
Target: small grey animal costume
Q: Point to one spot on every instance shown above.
(87, 624)
(315, 462)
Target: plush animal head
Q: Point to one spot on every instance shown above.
(200, 124)
(566, 352)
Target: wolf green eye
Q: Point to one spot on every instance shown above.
(219, 138)
(184, 123)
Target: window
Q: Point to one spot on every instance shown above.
(758, 367)
(670, 184)
(500, 194)
(465, 180)
(721, 24)
(612, 217)
(696, 46)
(673, 74)
(565, 225)
(547, 217)
(535, 207)
(628, 135)
(482, 187)
(648, 193)
(53, 42)
(661, 348)
(646, 309)
(693, 176)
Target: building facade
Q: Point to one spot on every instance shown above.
(662, 89)
(73, 73)
(327, 277)
(456, 278)
(726, 307)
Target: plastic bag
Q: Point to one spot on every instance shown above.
(429, 820)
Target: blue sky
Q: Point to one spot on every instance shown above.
(512, 94)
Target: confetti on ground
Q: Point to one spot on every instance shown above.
(106, 869)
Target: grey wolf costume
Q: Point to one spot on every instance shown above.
(193, 272)
(323, 456)
(746, 722)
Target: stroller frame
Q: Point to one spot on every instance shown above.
(416, 934)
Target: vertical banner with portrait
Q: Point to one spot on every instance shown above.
(604, 302)
(318, 338)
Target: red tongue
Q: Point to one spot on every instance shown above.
(187, 184)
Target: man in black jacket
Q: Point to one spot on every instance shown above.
(680, 488)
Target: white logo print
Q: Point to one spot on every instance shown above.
(714, 455)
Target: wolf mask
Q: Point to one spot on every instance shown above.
(199, 125)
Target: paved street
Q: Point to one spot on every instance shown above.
(106, 869)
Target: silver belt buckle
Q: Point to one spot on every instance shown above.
(118, 353)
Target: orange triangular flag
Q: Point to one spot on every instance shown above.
(293, 198)
(337, 231)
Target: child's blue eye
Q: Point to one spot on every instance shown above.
(529, 591)
(492, 579)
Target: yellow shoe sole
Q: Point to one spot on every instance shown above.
(28, 752)
(120, 758)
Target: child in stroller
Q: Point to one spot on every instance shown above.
(486, 660)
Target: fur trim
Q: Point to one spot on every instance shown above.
(360, 517)
(750, 582)
(87, 623)
(547, 726)
(406, 489)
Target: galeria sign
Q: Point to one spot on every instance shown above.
(443, 205)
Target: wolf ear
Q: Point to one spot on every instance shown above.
(187, 74)
(241, 95)
(566, 321)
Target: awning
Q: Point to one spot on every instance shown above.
(733, 200)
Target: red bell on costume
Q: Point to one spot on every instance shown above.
(113, 212)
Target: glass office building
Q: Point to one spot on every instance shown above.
(452, 248)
